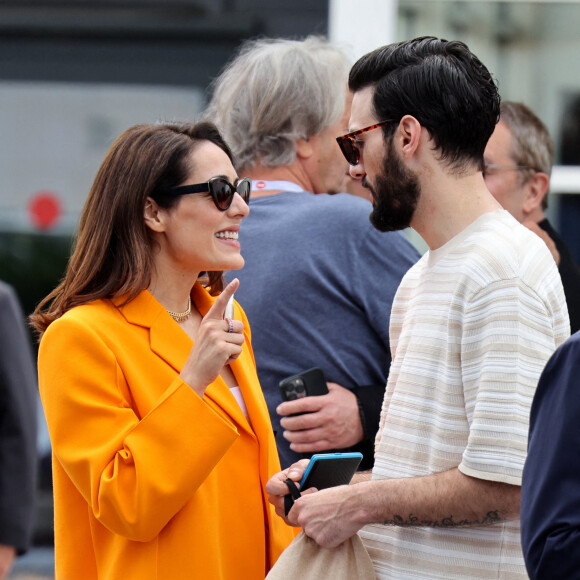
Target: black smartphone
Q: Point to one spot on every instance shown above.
(330, 469)
(304, 384)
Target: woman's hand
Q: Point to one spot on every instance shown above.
(277, 489)
(216, 344)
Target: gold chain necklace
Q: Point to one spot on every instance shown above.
(181, 316)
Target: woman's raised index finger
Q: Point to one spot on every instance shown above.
(219, 306)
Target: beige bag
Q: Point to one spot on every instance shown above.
(304, 559)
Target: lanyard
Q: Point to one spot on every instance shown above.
(261, 187)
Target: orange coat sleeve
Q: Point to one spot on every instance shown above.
(130, 469)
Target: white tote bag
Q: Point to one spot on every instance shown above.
(304, 559)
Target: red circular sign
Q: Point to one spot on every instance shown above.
(45, 209)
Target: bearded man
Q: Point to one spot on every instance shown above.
(472, 326)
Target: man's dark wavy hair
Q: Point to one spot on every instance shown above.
(443, 85)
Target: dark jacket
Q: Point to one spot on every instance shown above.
(570, 274)
(550, 509)
(18, 458)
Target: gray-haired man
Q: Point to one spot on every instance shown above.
(319, 279)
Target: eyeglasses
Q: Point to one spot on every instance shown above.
(347, 143)
(493, 168)
(221, 190)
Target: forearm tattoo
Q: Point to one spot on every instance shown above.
(490, 518)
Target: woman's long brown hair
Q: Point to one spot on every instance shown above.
(113, 253)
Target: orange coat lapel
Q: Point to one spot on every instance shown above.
(168, 341)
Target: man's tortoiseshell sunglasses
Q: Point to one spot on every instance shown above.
(347, 143)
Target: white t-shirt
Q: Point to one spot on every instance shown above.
(472, 326)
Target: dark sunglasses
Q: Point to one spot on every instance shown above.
(221, 190)
(347, 143)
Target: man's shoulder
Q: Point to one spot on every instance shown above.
(506, 258)
(341, 221)
(497, 249)
(572, 345)
(501, 240)
(349, 214)
(339, 205)
(341, 212)
(523, 245)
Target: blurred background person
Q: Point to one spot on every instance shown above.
(319, 280)
(518, 163)
(551, 481)
(18, 456)
(160, 433)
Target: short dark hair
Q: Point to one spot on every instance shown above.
(442, 84)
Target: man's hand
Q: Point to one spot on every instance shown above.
(7, 555)
(328, 421)
(329, 516)
(534, 227)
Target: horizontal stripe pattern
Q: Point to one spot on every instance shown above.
(472, 326)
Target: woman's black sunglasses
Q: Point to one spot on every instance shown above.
(221, 190)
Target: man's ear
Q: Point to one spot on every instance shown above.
(408, 135)
(153, 216)
(536, 188)
(304, 148)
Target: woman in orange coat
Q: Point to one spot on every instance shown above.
(162, 443)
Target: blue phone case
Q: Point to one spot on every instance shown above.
(330, 469)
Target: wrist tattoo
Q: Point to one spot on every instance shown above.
(490, 518)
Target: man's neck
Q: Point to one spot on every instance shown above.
(449, 204)
(535, 216)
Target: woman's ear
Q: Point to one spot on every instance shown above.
(153, 216)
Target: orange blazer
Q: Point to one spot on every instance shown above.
(150, 480)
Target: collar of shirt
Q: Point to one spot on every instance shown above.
(261, 187)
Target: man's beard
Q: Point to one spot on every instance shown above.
(395, 194)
